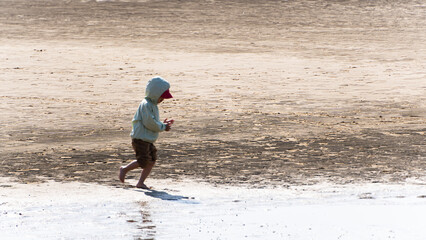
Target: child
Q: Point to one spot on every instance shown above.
(146, 126)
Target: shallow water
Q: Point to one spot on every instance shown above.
(190, 210)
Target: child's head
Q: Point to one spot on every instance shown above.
(157, 90)
(166, 95)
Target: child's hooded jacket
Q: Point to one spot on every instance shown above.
(146, 122)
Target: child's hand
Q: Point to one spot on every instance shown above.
(168, 124)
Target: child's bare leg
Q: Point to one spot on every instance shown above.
(123, 170)
(145, 173)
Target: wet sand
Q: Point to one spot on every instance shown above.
(266, 93)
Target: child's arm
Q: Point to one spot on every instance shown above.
(149, 121)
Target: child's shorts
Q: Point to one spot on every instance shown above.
(145, 152)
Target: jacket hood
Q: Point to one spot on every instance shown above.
(155, 88)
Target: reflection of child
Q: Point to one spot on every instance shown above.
(146, 126)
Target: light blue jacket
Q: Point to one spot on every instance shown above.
(146, 122)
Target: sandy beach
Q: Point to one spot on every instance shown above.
(267, 94)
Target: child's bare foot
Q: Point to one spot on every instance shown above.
(122, 174)
(143, 186)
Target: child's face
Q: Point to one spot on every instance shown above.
(160, 100)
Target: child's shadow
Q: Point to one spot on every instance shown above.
(164, 195)
(167, 197)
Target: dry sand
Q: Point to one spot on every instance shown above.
(267, 93)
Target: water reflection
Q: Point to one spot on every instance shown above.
(147, 227)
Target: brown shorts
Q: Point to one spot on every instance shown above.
(145, 152)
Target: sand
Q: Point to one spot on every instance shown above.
(267, 93)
